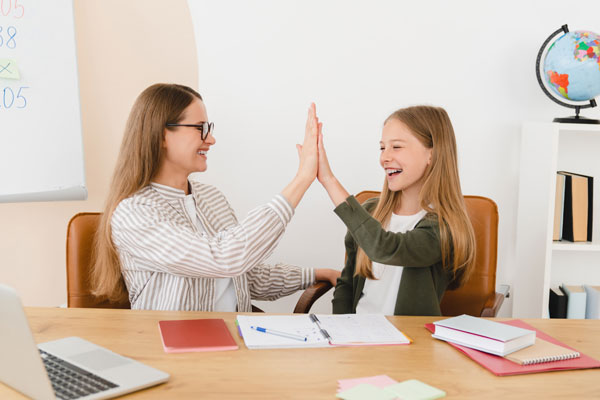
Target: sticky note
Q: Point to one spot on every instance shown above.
(380, 381)
(414, 389)
(9, 69)
(366, 391)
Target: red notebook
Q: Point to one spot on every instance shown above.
(180, 336)
(501, 366)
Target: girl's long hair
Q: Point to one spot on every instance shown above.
(138, 161)
(441, 193)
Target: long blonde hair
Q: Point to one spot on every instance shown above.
(138, 161)
(441, 193)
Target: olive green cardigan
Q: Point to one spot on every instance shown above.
(424, 280)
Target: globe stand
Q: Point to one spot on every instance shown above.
(576, 119)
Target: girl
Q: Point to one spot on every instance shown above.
(172, 243)
(407, 247)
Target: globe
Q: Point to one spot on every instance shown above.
(570, 71)
(572, 66)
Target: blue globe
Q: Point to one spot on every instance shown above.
(572, 66)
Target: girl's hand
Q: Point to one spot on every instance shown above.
(307, 152)
(327, 274)
(324, 173)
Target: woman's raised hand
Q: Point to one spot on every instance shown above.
(309, 161)
(307, 152)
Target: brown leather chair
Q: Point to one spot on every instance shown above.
(80, 235)
(478, 296)
(80, 238)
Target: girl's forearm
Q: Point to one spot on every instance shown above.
(335, 190)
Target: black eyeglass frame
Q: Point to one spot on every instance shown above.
(205, 128)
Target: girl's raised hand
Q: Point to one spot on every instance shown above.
(334, 188)
(324, 174)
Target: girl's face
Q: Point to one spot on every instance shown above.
(403, 157)
(184, 151)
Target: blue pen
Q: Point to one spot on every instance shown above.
(279, 333)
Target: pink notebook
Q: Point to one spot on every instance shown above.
(179, 336)
(501, 366)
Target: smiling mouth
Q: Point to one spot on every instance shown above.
(202, 152)
(392, 172)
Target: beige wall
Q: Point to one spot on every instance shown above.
(123, 46)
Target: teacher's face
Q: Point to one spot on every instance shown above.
(184, 151)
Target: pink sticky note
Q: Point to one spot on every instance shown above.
(380, 381)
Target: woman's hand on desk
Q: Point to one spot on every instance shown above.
(327, 274)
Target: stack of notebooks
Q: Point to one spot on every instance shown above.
(573, 207)
(510, 347)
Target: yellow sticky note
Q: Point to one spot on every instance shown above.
(9, 69)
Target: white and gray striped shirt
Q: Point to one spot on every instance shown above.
(168, 264)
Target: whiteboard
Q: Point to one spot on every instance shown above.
(41, 148)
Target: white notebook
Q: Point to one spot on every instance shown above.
(318, 330)
(483, 334)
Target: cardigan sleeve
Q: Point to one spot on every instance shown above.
(160, 244)
(419, 247)
(270, 282)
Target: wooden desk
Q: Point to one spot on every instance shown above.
(313, 373)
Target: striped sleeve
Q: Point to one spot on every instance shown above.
(270, 282)
(151, 235)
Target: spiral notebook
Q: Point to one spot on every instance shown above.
(542, 351)
(318, 330)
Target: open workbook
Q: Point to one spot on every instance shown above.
(310, 330)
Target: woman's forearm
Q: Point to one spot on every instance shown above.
(295, 190)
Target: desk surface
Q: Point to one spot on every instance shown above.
(313, 373)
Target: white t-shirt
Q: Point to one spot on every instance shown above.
(225, 298)
(379, 296)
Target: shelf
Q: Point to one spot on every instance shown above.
(581, 246)
(579, 127)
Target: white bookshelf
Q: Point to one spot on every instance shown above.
(542, 263)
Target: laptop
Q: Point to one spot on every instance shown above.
(69, 368)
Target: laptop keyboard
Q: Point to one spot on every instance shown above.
(71, 382)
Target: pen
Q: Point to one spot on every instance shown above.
(279, 333)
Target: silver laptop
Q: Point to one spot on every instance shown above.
(69, 368)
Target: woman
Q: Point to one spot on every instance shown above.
(175, 241)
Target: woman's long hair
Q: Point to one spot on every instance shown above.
(138, 161)
(441, 193)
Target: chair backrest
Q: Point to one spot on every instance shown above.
(80, 238)
(479, 292)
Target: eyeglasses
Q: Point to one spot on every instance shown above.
(205, 128)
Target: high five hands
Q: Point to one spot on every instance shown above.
(313, 158)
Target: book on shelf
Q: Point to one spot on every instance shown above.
(559, 207)
(484, 335)
(310, 330)
(592, 306)
(577, 218)
(557, 304)
(576, 302)
(542, 351)
(179, 336)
